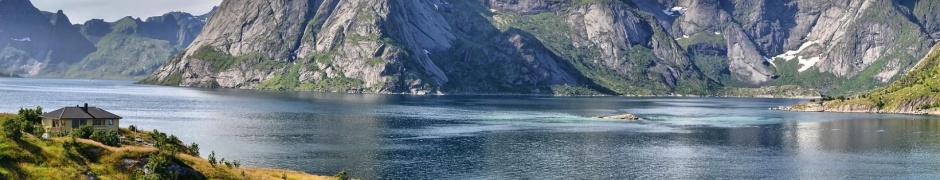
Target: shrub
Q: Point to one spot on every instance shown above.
(156, 168)
(58, 134)
(109, 138)
(342, 175)
(132, 128)
(38, 131)
(194, 149)
(31, 115)
(212, 158)
(83, 132)
(26, 126)
(11, 129)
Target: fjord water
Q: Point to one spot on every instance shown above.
(516, 137)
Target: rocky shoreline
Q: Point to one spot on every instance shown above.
(849, 107)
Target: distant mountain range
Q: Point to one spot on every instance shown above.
(44, 44)
(615, 47)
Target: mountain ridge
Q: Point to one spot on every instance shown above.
(552, 47)
(46, 44)
(918, 92)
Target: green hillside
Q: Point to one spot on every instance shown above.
(918, 92)
(26, 156)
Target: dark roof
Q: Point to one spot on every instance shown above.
(80, 113)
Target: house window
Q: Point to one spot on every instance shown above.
(98, 122)
(110, 121)
(55, 123)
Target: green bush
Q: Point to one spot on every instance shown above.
(83, 132)
(38, 131)
(194, 149)
(342, 175)
(109, 138)
(11, 129)
(132, 128)
(31, 115)
(212, 159)
(26, 126)
(58, 134)
(156, 168)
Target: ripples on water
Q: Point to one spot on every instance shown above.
(510, 137)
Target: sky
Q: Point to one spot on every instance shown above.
(80, 11)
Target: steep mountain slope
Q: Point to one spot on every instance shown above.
(33, 41)
(918, 92)
(837, 46)
(428, 46)
(43, 44)
(559, 47)
(132, 48)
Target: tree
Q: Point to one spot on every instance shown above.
(194, 149)
(31, 115)
(11, 129)
(212, 158)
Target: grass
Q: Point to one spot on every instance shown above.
(35, 158)
(918, 90)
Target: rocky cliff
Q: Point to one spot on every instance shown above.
(556, 47)
(917, 92)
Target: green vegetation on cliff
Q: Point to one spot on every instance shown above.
(917, 92)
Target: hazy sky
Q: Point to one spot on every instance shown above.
(80, 11)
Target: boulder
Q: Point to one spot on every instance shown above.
(630, 117)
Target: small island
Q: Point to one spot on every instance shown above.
(628, 117)
(28, 151)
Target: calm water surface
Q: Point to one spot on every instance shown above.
(500, 137)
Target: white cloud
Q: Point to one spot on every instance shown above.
(80, 11)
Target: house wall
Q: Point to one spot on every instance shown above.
(66, 125)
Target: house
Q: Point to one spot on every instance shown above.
(67, 118)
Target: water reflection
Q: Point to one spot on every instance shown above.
(511, 137)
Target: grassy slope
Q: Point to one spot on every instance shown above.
(916, 92)
(122, 56)
(33, 158)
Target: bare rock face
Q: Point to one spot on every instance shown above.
(526, 6)
(537, 46)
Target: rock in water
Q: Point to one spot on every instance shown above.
(621, 117)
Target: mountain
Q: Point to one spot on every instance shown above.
(918, 92)
(131, 48)
(555, 47)
(44, 44)
(33, 41)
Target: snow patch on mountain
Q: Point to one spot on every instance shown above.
(675, 11)
(805, 62)
(26, 39)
